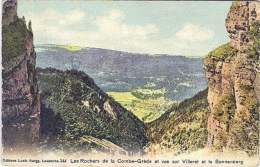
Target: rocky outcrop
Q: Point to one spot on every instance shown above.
(233, 81)
(20, 98)
(9, 12)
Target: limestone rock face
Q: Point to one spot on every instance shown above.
(20, 99)
(233, 81)
(239, 19)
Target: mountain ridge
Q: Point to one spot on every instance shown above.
(120, 71)
(128, 52)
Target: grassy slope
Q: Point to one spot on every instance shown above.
(222, 52)
(147, 109)
(182, 128)
(71, 48)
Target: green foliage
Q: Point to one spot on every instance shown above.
(255, 36)
(71, 48)
(148, 93)
(222, 52)
(13, 38)
(224, 111)
(245, 135)
(183, 128)
(250, 99)
(64, 95)
(245, 126)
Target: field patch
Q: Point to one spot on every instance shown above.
(146, 109)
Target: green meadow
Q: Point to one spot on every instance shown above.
(71, 48)
(146, 109)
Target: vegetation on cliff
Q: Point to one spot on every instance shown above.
(13, 40)
(254, 34)
(231, 71)
(183, 128)
(237, 130)
(20, 96)
(222, 52)
(73, 107)
(245, 126)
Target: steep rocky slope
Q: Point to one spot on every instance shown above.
(20, 98)
(181, 129)
(74, 111)
(233, 81)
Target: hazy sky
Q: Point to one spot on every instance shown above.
(185, 28)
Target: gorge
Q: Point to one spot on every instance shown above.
(64, 109)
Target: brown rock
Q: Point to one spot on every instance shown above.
(234, 84)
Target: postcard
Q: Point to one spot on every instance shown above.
(130, 83)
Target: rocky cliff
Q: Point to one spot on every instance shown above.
(233, 81)
(20, 98)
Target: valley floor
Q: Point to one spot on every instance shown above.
(148, 109)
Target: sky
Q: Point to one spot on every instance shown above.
(159, 27)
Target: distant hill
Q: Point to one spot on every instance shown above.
(116, 71)
(77, 115)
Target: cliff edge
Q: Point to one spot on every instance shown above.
(232, 71)
(20, 98)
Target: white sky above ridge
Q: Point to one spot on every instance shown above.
(176, 28)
